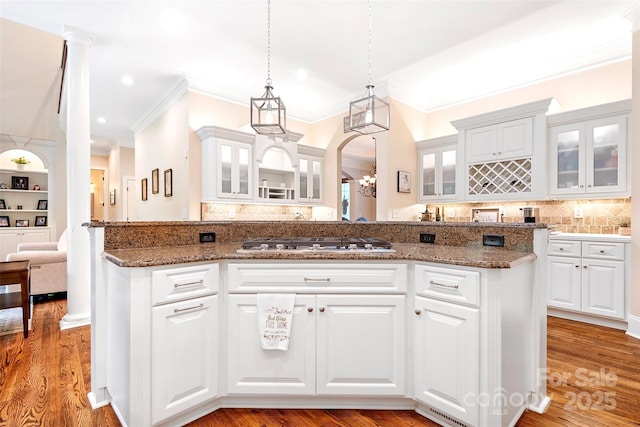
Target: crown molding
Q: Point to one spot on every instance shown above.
(177, 91)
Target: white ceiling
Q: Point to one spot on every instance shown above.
(427, 54)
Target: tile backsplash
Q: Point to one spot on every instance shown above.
(600, 216)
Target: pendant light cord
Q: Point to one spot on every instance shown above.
(370, 32)
(269, 43)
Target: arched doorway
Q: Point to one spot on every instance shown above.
(357, 157)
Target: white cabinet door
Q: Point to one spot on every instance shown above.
(251, 369)
(446, 358)
(515, 138)
(564, 282)
(361, 341)
(603, 288)
(508, 140)
(234, 170)
(437, 174)
(310, 180)
(184, 344)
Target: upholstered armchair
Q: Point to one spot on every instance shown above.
(48, 264)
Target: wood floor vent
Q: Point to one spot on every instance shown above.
(446, 418)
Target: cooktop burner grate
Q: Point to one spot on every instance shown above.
(306, 243)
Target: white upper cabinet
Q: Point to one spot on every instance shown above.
(227, 164)
(437, 168)
(310, 174)
(513, 139)
(504, 153)
(588, 151)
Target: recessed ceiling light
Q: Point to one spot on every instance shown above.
(102, 120)
(303, 74)
(172, 21)
(126, 80)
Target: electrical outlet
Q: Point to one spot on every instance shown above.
(578, 213)
(427, 238)
(209, 237)
(232, 212)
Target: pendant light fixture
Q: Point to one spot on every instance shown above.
(268, 113)
(369, 114)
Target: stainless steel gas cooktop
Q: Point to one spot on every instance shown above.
(320, 244)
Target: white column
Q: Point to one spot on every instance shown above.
(634, 306)
(78, 181)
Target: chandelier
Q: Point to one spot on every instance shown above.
(368, 182)
(369, 114)
(268, 113)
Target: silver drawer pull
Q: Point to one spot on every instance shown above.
(180, 285)
(431, 282)
(178, 310)
(313, 279)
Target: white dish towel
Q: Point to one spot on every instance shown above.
(275, 314)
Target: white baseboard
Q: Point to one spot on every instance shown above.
(633, 327)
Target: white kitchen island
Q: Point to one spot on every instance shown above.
(461, 344)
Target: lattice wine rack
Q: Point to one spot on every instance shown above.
(511, 176)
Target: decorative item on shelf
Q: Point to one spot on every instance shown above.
(624, 228)
(404, 182)
(22, 222)
(21, 162)
(369, 114)
(19, 183)
(268, 113)
(4, 221)
(41, 221)
(3, 186)
(36, 187)
(3, 205)
(19, 207)
(43, 205)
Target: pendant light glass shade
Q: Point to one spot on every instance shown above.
(369, 114)
(268, 113)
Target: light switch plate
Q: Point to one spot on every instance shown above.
(578, 213)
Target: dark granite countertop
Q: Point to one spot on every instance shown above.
(471, 256)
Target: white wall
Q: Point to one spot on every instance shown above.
(163, 145)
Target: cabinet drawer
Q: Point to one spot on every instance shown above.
(448, 284)
(603, 250)
(564, 247)
(182, 283)
(317, 278)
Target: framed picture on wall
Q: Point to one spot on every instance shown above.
(41, 221)
(4, 221)
(22, 222)
(43, 205)
(168, 183)
(3, 205)
(144, 188)
(155, 181)
(404, 182)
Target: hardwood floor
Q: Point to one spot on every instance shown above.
(594, 380)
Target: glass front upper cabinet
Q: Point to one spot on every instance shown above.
(437, 173)
(589, 157)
